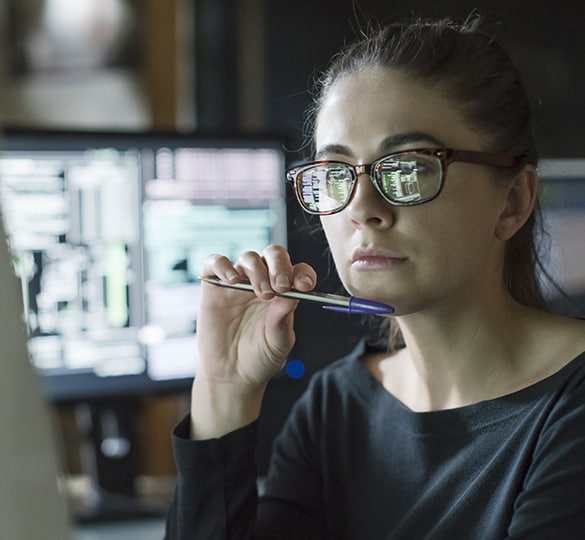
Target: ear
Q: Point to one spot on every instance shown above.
(519, 203)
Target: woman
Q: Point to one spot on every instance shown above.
(470, 421)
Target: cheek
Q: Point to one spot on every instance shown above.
(463, 238)
(332, 227)
(337, 235)
(449, 222)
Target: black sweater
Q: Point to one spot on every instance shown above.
(353, 462)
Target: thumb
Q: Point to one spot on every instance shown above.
(280, 324)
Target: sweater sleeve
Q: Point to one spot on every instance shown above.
(216, 495)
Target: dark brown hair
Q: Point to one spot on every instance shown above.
(479, 77)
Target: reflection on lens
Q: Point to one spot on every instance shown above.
(401, 186)
(338, 182)
(409, 181)
(325, 188)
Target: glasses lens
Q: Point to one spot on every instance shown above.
(324, 188)
(409, 179)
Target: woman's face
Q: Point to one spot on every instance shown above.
(420, 256)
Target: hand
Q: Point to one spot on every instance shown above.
(244, 338)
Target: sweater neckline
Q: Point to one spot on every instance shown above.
(507, 405)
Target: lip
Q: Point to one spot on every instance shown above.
(375, 258)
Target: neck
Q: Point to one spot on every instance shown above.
(457, 357)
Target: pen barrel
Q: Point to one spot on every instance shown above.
(334, 302)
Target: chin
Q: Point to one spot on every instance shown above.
(367, 286)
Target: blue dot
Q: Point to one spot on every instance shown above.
(295, 369)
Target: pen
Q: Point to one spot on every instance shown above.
(332, 302)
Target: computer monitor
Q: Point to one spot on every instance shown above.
(109, 232)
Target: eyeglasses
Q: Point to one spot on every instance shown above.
(405, 178)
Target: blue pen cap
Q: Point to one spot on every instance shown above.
(368, 307)
(361, 306)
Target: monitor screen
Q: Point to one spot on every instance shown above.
(108, 233)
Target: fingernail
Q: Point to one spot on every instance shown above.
(282, 281)
(266, 288)
(231, 275)
(305, 279)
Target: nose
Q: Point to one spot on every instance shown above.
(367, 207)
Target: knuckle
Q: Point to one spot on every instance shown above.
(249, 254)
(249, 258)
(304, 267)
(275, 251)
(216, 259)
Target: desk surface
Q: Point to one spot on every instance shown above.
(145, 529)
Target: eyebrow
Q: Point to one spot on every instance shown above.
(401, 139)
(389, 143)
(328, 149)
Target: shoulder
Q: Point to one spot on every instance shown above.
(559, 401)
(554, 343)
(570, 332)
(571, 377)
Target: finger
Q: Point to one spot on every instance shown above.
(304, 277)
(252, 266)
(220, 266)
(280, 268)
